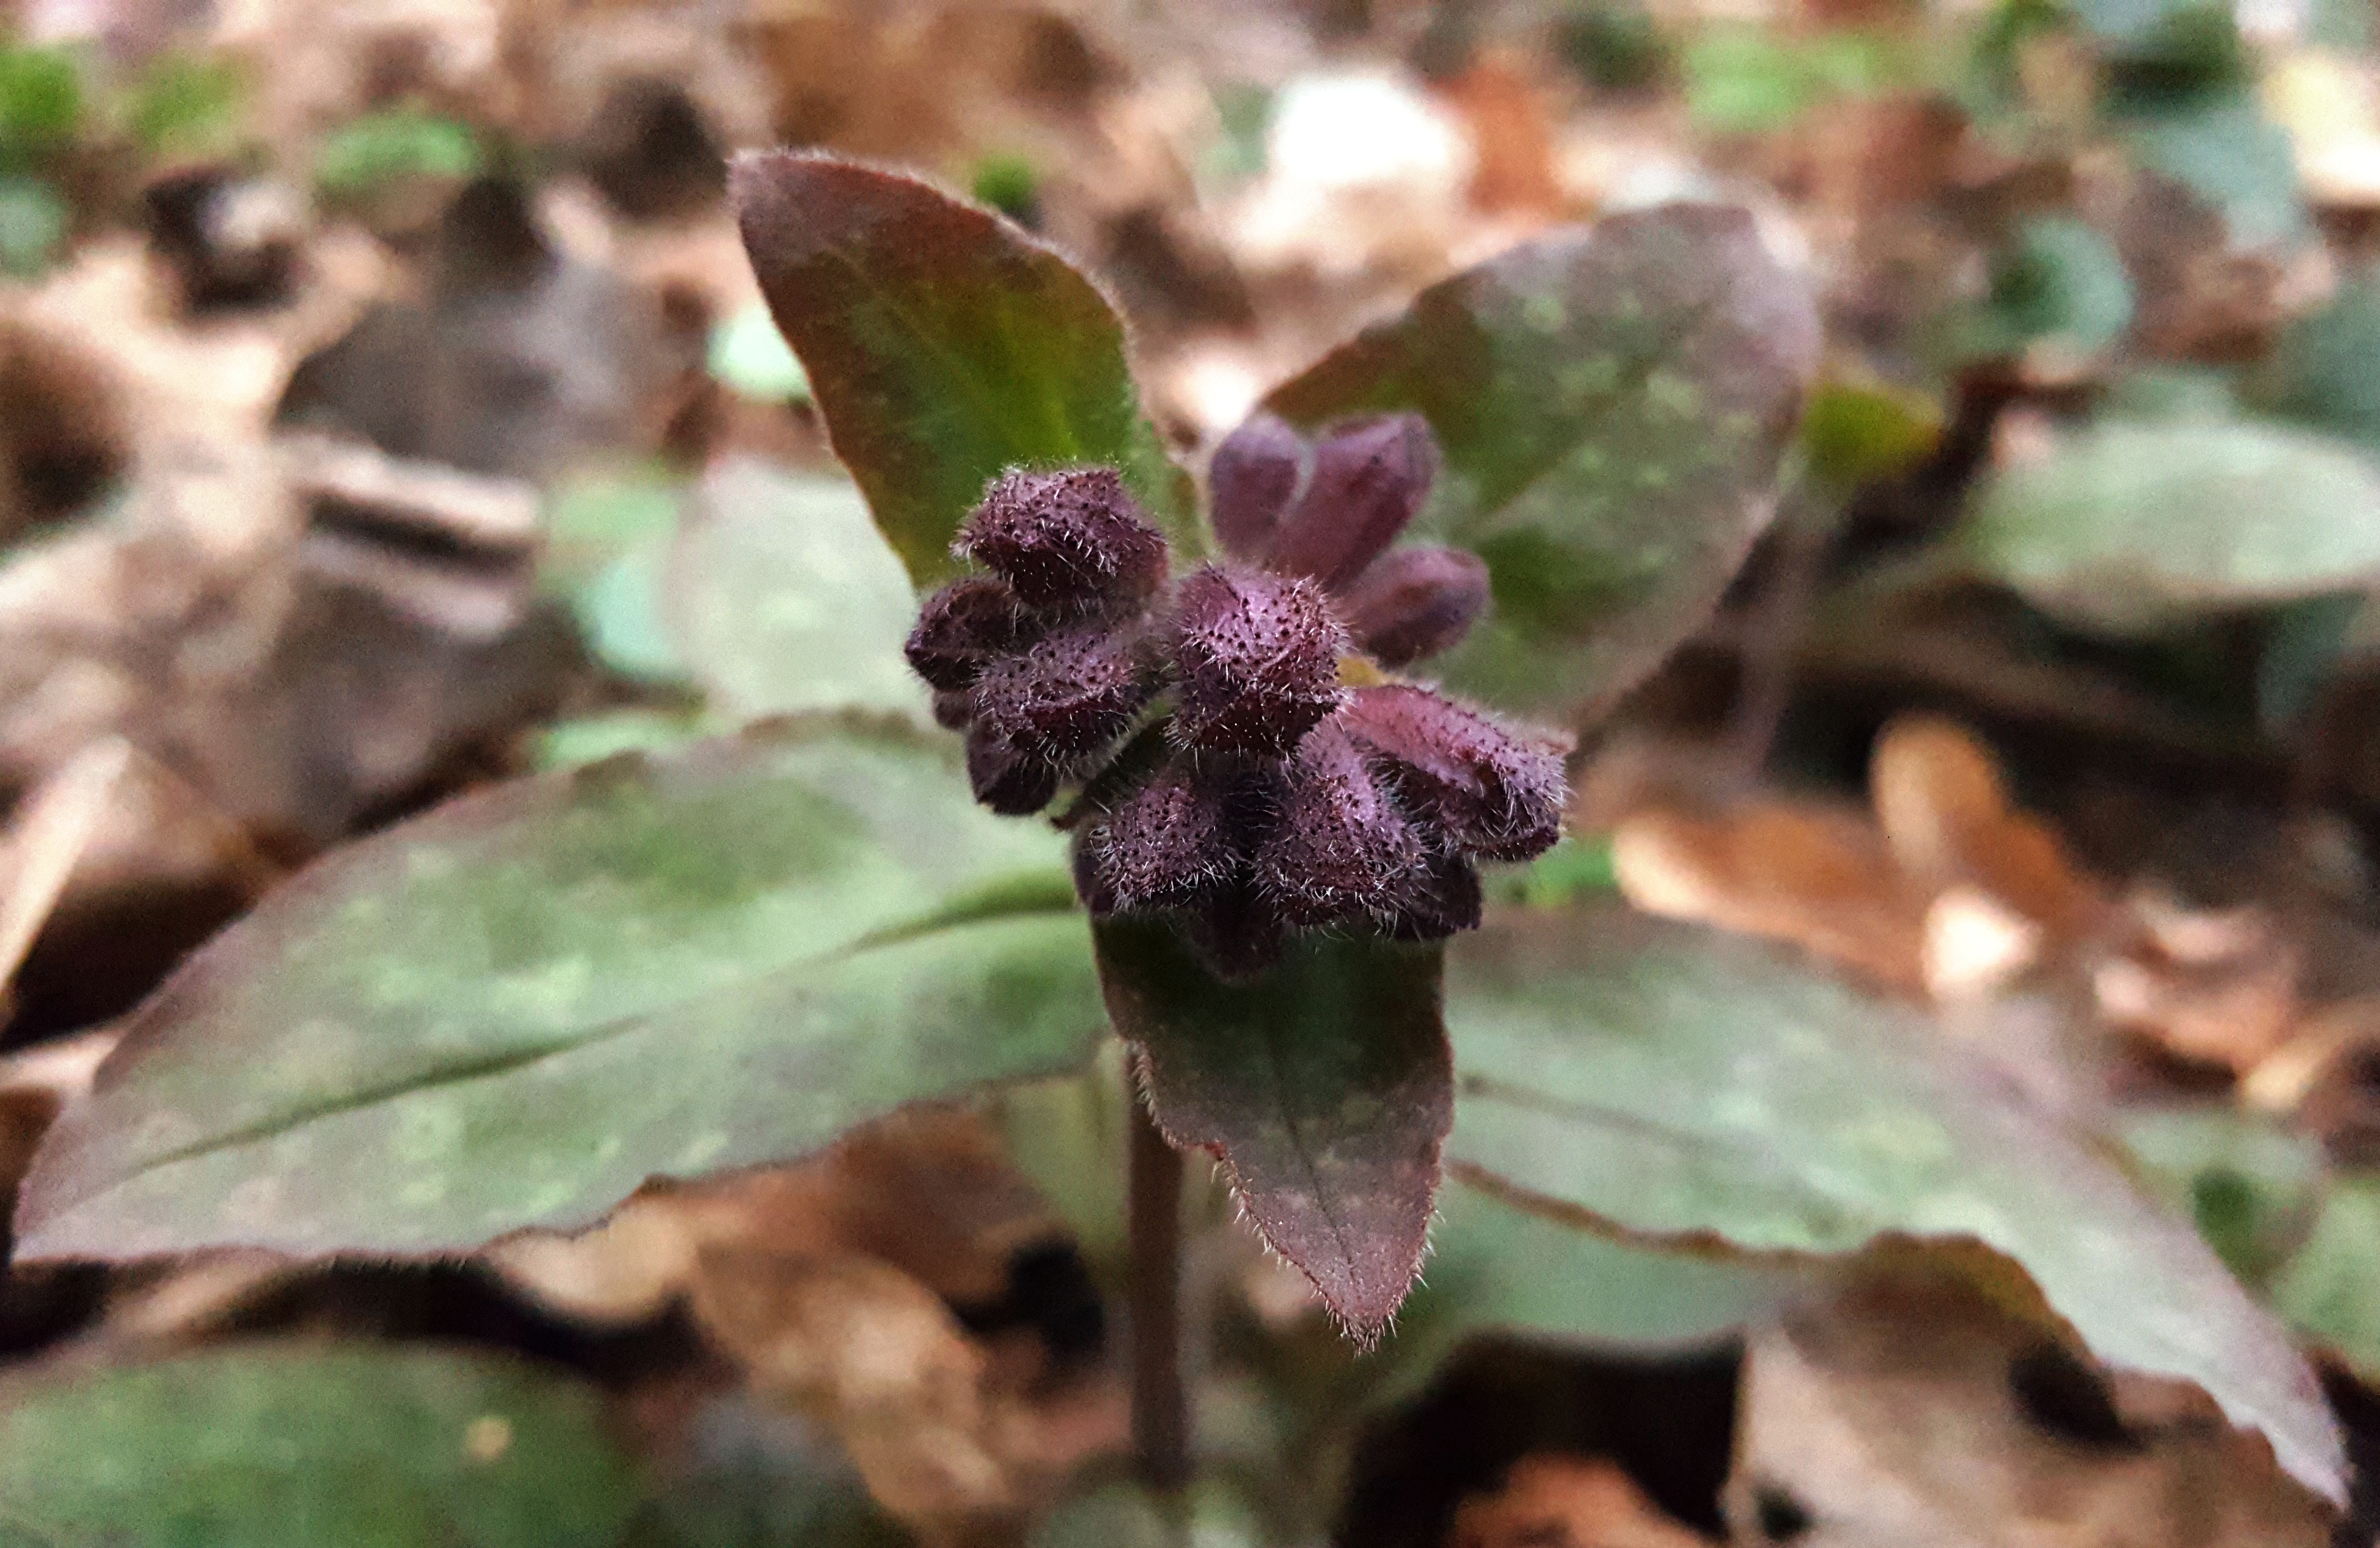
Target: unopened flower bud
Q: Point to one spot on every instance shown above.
(1259, 661)
(953, 709)
(1367, 482)
(1413, 603)
(1251, 480)
(1007, 781)
(1167, 846)
(1068, 696)
(1439, 900)
(1069, 541)
(965, 626)
(1493, 794)
(1341, 851)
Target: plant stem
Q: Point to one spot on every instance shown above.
(1160, 1422)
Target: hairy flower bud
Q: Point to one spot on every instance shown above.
(1259, 661)
(1069, 696)
(1413, 603)
(1439, 900)
(965, 626)
(1341, 851)
(1169, 846)
(953, 709)
(1368, 480)
(1251, 480)
(1007, 781)
(1494, 795)
(1071, 541)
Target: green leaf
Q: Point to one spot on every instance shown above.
(379, 149)
(783, 597)
(2231, 156)
(944, 344)
(41, 102)
(752, 357)
(514, 1010)
(32, 227)
(185, 104)
(1613, 404)
(1674, 1082)
(2330, 1291)
(2248, 1184)
(2062, 280)
(2127, 528)
(2324, 370)
(1322, 1085)
(757, 1478)
(282, 1446)
(1495, 1266)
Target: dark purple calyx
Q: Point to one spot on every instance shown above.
(1493, 793)
(1367, 480)
(1252, 479)
(1257, 659)
(1342, 852)
(1412, 603)
(1237, 932)
(1439, 900)
(1068, 697)
(1171, 845)
(1011, 783)
(965, 626)
(1071, 541)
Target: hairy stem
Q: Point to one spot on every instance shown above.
(1160, 1421)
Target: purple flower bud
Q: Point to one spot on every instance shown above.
(962, 627)
(1168, 847)
(1068, 696)
(1237, 932)
(953, 709)
(1259, 661)
(1493, 794)
(1413, 603)
(1251, 480)
(1069, 541)
(1341, 850)
(1368, 480)
(1439, 900)
(1006, 780)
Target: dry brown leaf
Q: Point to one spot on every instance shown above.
(1567, 1502)
(879, 1359)
(2217, 986)
(1944, 811)
(1815, 876)
(1512, 136)
(1912, 1410)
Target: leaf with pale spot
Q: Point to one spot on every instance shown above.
(1613, 403)
(1672, 1083)
(514, 1010)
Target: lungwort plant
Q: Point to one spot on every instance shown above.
(1214, 776)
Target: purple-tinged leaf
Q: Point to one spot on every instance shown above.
(944, 346)
(1612, 404)
(514, 1009)
(1323, 1085)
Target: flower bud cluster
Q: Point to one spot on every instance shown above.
(1244, 768)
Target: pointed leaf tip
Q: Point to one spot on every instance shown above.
(1324, 1086)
